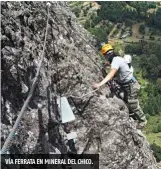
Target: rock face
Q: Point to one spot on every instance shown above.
(102, 123)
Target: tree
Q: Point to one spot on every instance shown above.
(158, 84)
(156, 18)
(157, 151)
(76, 10)
(100, 34)
(142, 29)
(133, 49)
(129, 22)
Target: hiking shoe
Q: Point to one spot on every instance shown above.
(141, 125)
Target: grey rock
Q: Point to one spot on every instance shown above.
(102, 124)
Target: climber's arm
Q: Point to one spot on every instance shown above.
(110, 75)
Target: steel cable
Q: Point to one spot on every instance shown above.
(9, 138)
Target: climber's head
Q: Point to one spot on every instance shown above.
(108, 52)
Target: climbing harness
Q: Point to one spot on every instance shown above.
(116, 89)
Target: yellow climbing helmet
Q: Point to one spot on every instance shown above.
(106, 48)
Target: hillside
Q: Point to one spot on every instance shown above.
(101, 18)
(30, 35)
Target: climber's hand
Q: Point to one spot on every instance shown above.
(107, 64)
(96, 85)
(104, 66)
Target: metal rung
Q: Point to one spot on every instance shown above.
(65, 110)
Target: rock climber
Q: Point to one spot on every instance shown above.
(129, 85)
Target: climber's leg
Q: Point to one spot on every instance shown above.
(132, 101)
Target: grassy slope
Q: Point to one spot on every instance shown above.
(153, 121)
(154, 138)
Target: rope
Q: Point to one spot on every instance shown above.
(9, 138)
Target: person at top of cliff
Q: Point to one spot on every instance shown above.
(129, 85)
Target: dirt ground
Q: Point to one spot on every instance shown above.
(135, 30)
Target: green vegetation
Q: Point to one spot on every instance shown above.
(142, 29)
(100, 17)
(100, 33)
(154, 126)
(142, 21)
(154, 19)
(147, 66)
(154, 138)
(157, 151)
(150, 57)
(87, 13)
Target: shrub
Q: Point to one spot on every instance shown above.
(142, 29)
(159, 127)
(157, 151)
(155, 129)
